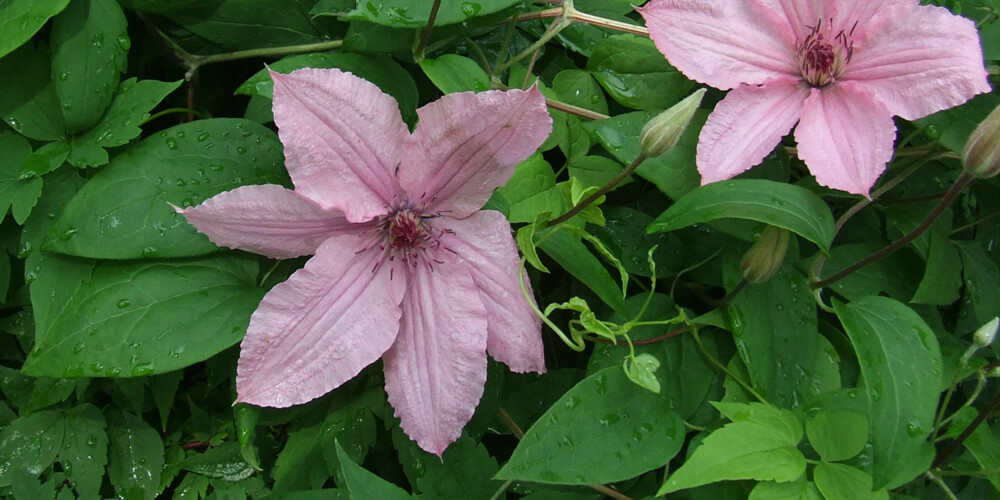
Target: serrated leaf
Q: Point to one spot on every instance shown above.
(843, 482)
(759, 444)
(901, 368)
(85, 450)
(454, 73)
(783, 205)
(364, 485)
(219, 462)
(129, 108)
(124, 211)
(123, 322)
(465, 470)
(837, 434)
(17, 194)
(22, 18)
(89, 48)
(603, 416)
(29, 444)
(136, 456)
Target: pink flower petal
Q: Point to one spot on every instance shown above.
(723, 43)
(318, 329)
(484, 246)
(860, 11)
(435, 372)
(466, 145)
(845, 137)
(917, 60)
(801, 16)
(746, 126)
(343, 139)
(269, 220)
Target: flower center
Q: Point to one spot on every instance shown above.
(405, 230)
(824, 54)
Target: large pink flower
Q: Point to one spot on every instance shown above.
(839, 68)
(405, 268)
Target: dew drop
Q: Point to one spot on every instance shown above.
(123, 303)
(172, 143)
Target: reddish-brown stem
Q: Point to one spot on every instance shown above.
(960, 184)
(597, 194)
(195, 444)
(661, 338)
(427, 30)
(950, 450)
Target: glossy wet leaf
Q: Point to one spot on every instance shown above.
(578, 88)
(129, 108)
(16, 194)
(135, 456)
(85, 449)
(89, 48)
(674, 173)
(605, 415)
(901, 368)
(364, 485)
(454, 73)
(30, 444)
(29, 103)
(123, 322)
(229, 25)
(981, 301)
(124, 211)
(760, 443)
(636, 74)
(22, 18)
(783, 205)
(219, 462)
(408, 14)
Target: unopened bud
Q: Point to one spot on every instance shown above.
(765, 257)
(981, 155)
(993, 372)
(985, 334)
(662, 132)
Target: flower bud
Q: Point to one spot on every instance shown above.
(993, 372)
(765, 257)
(662, 132)
(981, 155)
(985, 334)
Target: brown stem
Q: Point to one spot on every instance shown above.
(600, 192)
(575, 110)
(661, 338)
(195, 444)
(427, 29)
(983, 414)
(960, 184)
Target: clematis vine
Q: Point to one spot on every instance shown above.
(841, 69)
(405, 266)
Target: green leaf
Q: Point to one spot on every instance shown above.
(981, 277)
(642, 371)
(454, 73)
(29, 103)
(120, 124)
(300, 464)
(124, 211)
(636, 74)
(837, 434)
(30, 444)
(602, 430)
(364, 485)
(123, 322)
(843, 482)
(775, 330)
(24, 485)
(893, 277)
(409, 14)
(624, 233)
(48, 391)
(532, 191)
(982, 443)
(674, 173)
(230, 25)
(465, 470)
(381, 70)
(17, 194)
(953, 126)
(794, 490)
(89, 48)
(46, 159)
(219, 462)
(901, 367)
(594, 171)
(783, 205)
(759, 444)
(576, 87)
(85, 450)
(136, 456)
(574, 256)
(246, 426)
(22, 18)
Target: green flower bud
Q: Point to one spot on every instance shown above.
(985, 334)
(765, 257)
(662, 132)
(994, 372)
(981, 155)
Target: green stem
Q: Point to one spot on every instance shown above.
(600, 192)
(960, 184)
(938, 481)
(418, 54)
(549, 34)
(174, 110)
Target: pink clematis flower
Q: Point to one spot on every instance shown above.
(406, 267)
(841, 69)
